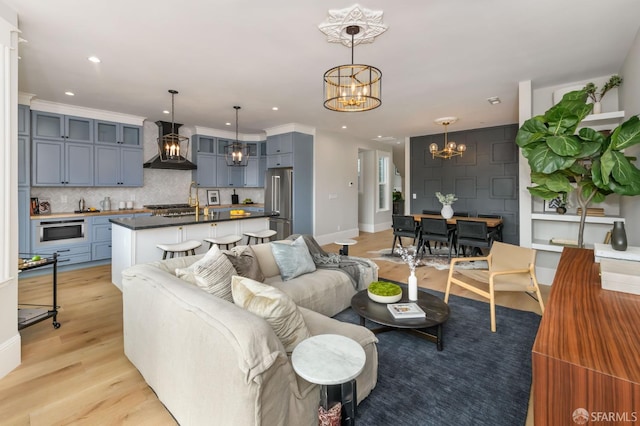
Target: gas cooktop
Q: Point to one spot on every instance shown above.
(169, 210)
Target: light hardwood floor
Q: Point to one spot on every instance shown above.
(78, 374)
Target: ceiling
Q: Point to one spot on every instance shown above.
(438, 58)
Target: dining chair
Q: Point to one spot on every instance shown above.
(473, 234)
(510, 268)
(436, 212)
(435, 230)
(496, 229)
(462, 214)
(403, 226)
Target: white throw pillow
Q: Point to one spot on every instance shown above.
(212, 273)
(278, 309)
(293, 259)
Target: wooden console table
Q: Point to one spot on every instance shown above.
(587, 351)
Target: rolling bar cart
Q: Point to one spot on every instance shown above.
(29, 314)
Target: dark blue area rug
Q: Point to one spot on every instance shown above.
(480, 378)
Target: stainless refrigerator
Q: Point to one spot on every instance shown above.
(278, 199)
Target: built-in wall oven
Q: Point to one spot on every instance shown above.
(61, 231)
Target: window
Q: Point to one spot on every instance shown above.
(384, 190)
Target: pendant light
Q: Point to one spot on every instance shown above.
(173, 147)
(450, 149)
(236, 153)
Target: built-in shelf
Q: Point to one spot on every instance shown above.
(607, 220)
(604, 116)
(546, 246)
(602, 121)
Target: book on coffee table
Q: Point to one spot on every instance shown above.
(405, 310)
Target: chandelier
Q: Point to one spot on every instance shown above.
(451, 149)
(354, 87)
(236, 154)
(173, 147)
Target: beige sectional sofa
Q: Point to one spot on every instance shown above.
(212, 362)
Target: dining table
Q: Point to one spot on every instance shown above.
(491, 222)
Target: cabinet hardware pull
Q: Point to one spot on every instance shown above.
(63, 260)
(63, 250)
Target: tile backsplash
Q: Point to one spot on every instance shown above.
(160, 187)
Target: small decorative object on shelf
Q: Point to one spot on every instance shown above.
(446, 201)
(410, 259)
(618, 236)
(596, 96)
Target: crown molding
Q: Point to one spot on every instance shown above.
(78, 111)
(242, 137)
(25, 98)
(289, 128)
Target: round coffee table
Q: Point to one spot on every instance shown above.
(437, 313)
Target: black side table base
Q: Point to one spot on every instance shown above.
(421, 332)
(344, 393)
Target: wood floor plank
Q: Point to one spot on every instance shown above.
(78, 374)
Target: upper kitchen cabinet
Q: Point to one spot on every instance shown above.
(61, 163)
(280, 144)
(48, 125)
(205, 144)
(118, 166)
(108, 132)
(24, 158)
(24, 119)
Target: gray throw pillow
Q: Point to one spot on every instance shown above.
(293, 259)
(245, 262)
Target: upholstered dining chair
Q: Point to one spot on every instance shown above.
(473, 234)
(404, 226)
(498, 229)
(435, 230)
(436, 212)
(510, 268)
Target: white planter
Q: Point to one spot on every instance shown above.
(597, 107)
(447, 211)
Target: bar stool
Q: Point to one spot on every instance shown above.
(226, 241)
(183, 247)
(260, 235)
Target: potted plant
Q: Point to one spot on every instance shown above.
(446, 201)
(590, 162)
(596, 97)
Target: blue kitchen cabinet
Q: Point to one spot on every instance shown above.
(252, 173)
(48, 125)
(205, 175)
(24, 159)
(61, 163)
(205, 144)
(222, 172)
(118, 166)
(101, 236)
(24, 119)
(235, 176)
(108, 132)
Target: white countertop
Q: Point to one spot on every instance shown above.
(328, 359)
(605, 251)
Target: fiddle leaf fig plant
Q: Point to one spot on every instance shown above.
(558, 156)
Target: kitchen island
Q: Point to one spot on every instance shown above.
(134, 239)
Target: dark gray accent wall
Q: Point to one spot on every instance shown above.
(485, 178)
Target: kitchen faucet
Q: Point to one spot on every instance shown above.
(194, 202)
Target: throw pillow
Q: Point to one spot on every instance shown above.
(245, 262)
(278, 309)
(293, 259)
(212, 273)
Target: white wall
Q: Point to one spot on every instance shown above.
(336, 203)
(630, 102)
(9, 336)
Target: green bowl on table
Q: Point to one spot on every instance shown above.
(384, 292)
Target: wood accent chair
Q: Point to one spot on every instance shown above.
(473, 234)
(403, 226)
(436, 230)
(498, 229)
(511, 268)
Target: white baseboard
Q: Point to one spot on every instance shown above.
(335, 236)
(9, 355)
(373, 228)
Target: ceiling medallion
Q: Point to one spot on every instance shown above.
(369, 21)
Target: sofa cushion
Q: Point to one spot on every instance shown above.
(293, 259)
(245, 262)
(212, 273)
(274, 306)
(266, 260)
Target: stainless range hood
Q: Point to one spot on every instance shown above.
(165, 128)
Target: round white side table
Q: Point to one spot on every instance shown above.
(332, 361)
(345, 245)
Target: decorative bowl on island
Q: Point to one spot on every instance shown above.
(384, 292)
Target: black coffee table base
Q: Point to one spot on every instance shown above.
(421, 332)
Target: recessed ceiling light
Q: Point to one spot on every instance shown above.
(227, 124)
(344, 127)
(494, 100)
(94, 59)
(69, 93)
(379, 136)
(166, 111)
(275, 108)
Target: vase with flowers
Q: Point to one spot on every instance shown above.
(412, 261)
(596, 97)
(446, 201)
